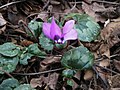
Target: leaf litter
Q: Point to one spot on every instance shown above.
(14, 19)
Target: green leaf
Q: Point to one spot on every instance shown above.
(24, 87)
(30, 51)
(5, 88)
(35, 27)
(8, 64)
(9, 84)
(68, 73)
(46, 43)
(61, 46)
(79, 58)
(9, 49)
(70, 82)
(88, 30)
(33, 49)
(24, 58)
(13, 84)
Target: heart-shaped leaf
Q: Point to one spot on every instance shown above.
(79, 58)
(9, 49)
(68, 73)
(46, 43)
(30, 51)
(13, 84)
(33, 49)
(24, 58)
(35, 27)
(9, 84)
(24, 87)
(8, 64)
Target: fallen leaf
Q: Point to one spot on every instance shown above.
(38, 81)
(92, 9)
(104, 50)
(14, 16)
(111, 33)
(93, 46)
(53, 78)
(48, 61)
(88, 74)
(2, 24)
(49, 81)
(26, 43)
(117, 64)
(75, 85)
(103, 75)
(115, 81)
(104, 63)
(43, 16)
(2, 20)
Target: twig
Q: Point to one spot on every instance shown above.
(102, 58)
(107, 69)
(46, 5)
(106, 2)
(80, 2)
(38, 73)
(11, 3)
(72, 7)
(115, 55)
(7, 73)
(105, 85)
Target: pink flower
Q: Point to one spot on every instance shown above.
(53, 31)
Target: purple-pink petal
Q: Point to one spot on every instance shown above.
(55, 29)
(68, 26)
(71, 35)
(46, 29)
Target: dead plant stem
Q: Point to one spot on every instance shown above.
(38, 73)
(11, 3)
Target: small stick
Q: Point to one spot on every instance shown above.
(114, 3)
(38, 73)
(107, 69)
(11, 3)
(105, 85)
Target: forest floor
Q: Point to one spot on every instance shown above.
(39, 65)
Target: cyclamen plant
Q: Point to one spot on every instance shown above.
(54, 32)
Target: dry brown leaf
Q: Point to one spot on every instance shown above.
(2, 20)
(88, 74)
(2, 29)
(38, 81)
(2, 23)
(104, 50)
(92, 9)
(26, 43)
(49, 81)
(43, 16)
(14, 15)
(117, 65)
(75, 85)
(103, 75)
(53, 78)
(48, 61)
(111, 33)
(104, 63)
(95, 55)
(93, 46)
(115, 81)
